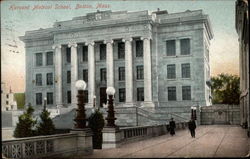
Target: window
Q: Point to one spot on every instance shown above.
(7, 96)
(69, 96)
(49, 58)
(85, 53)
(68, 55)
(121, 50)
(86, 96)
(39, 98)
(186, 93)
(139, 72)
(85, 75)
(185, 70)
(39, 79)
(68, 76)
(39, 59)
(171, 93)
(121, 73)
(170, 47)
(49, 98)
(140, 94)
(122, 95)
(139, 48)
(171, 71)
(103, 74)
(185, 46)
(103, 52)
(7, 102)
(49, 78)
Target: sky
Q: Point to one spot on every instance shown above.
(224, 48)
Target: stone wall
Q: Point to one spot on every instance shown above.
(220, 114)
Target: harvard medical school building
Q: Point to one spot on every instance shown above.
(152, 59)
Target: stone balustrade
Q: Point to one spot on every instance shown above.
(60, 145)
(113, 139)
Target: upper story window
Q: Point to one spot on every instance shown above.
(121, 73)
(68, 54)
(39, 97)
(139, 72)
(170, 47)
(171, 93)
(50, 98)
(39, 79)
(7, 95)
(68, 76)
(185, 70)
(186, 92)
(103, 74)
(122, 95)
(171, 71)
(85, 53)
(139, 48)
(185, 46)
(85, 75)
(49, 58)
(49, 78)
(39, 59)
(140, 94)
(103, 52)
(121, 50)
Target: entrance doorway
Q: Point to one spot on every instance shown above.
(103, 96)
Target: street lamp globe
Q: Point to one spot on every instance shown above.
(80, 85)
(110, 91)
(45, 98)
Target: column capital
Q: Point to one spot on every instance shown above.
(89, 43)
(143, 38)
(108, 41)
(72, 44)
(56, 46)
(127, 39)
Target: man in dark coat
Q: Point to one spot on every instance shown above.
(172, 126)
(192, 127)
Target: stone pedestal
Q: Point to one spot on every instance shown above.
(148, 104)
(84, 141)
(111, 137)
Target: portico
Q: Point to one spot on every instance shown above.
(109, 64)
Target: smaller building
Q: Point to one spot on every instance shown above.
(242, 28)
(7, 98)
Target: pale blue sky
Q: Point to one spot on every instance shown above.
(223, 50)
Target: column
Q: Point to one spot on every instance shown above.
(128, 70)
(147, 73)
(58, 75)
(91, 72)
(74, 73)
(110, 62)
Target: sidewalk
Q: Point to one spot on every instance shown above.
(210, 141)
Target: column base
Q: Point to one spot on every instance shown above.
(130, 104)
(112, 137)
(89, 105)
(148, 104)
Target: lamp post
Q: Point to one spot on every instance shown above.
(111, 113)
(80, 120)
(44, 103)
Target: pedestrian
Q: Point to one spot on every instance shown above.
(192, 127)
(172, 126)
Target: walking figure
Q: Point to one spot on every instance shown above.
(192, 127)
(172, 126)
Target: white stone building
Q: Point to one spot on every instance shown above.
(154, 60)
(7, 98)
